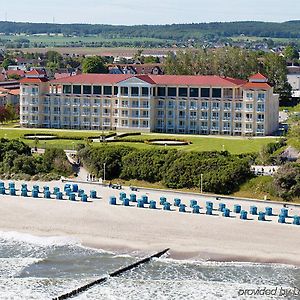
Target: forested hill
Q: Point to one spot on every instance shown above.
(290, 29)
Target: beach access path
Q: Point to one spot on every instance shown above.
(142, 230)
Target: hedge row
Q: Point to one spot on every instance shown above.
(222, 172)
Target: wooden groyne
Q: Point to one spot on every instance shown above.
(113, 274)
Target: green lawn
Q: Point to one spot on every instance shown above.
(205, 143)
(199, 143)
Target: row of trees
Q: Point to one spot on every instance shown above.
(16, 158)
(222, 172)
(231, 62)
(178, 32)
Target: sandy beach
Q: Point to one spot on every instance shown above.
(122, 229)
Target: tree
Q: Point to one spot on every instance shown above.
(291, 53)
(94, 64)
(7, 62)
(287, 181)
(276, 71)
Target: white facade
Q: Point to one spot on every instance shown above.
(139, 103)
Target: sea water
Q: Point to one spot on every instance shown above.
(43, 268)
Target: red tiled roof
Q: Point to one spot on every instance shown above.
(195, 80)
(33, 80)
(145, 78)
(258, 76)
(21, 73)
(152, 79)
(257, 85)
(93, 78)
(15, 92)
(36, 72)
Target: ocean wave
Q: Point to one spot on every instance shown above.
(202, 262)
(42, 241)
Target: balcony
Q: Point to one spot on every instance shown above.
(193, 107)
(106, 104)
(204, 127)
(258, 130)
(238, 129)
(203, 118)
(193, 117)
(215, 118)
(260, 120)
(260, 110)
(214, 128)
(249, 130)
(248, 120)
(215, 108)
(226, 119)
(204, 107)
(226, 129)
(226, 108)
(85, 113)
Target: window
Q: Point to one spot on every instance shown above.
(249, 106)
(171, 92)
(216, 93)
(261, 96)
(87, 89)
(97, 90)
(134, 91)
(161, 91)
(205, 92)
(107, 90)
(215, 105)
(238, 106)
(204, 105)
(76, 89)
(249, 96)
(228, 93)
(116, 90)
(194, 92)
(67, 89)
(183, 92)
(145, 91)
(260, 107)
(124, 91)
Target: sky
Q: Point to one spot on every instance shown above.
(129, 12)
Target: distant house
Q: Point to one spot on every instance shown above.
(136, 69)
(65, 72)
(293, 77)
(10, 73)
(9, 96)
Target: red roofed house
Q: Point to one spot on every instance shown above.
(151, 103)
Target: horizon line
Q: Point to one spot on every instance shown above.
(157, 24)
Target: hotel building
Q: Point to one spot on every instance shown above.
(150, 103)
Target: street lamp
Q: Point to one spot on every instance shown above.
(104, 172)
(201, 183)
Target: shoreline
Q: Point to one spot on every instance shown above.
(136, 231)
